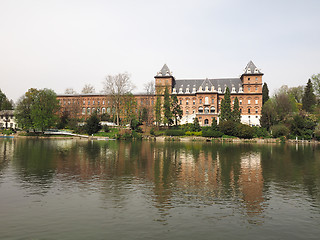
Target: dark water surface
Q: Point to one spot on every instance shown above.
(68, 189)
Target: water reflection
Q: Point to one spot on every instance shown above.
(166, 175)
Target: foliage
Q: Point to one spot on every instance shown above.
(226, 114)
(174, 132)
(279, 130)
(5, 104)
(316, 83)
(212, 133)
(265, 93)
(196, 126)
(158, 111)
(268, 114)
(302, 125)
(308, 99)
(128, 108)
(176, 109)
(296, 93)
(228, 128)
(87, 89)
(236, 115)
(106, 128)
(261, 132)
(152, 131)
(244, 131)
(167, 113)
(116, 86)
(92, 124)
(37, 109)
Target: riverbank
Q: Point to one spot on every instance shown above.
(177, 139)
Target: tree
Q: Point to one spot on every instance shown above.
(149, 87)
(176, 109)
(37, 109)
(93, 124)
(268, 114)
(316, 83)
(117, 86)
(265, 93)
(284, 104)
(87, 89)
(308, 99)
(236, 115)
(70, 91)
(129, 107)
(158, 111)
(225, 114)
(196, 126)
(5, 104)
(167, 113)
(296, 93)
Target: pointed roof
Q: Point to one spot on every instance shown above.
(165, 71)
(251, 69)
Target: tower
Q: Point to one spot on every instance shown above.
(164, 79)
(252, 79)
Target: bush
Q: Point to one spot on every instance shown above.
(212, 133)
(106, 128)
(279, 130)
(260, 132)
(152, 131)
(317, 134)
(245, 131)
(174, 132)
(228, 128)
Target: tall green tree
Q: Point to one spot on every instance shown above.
(5, 104)
(265, 93)
(196, 126)
(236, 115)
(308, 99)
(226, 113)
(268, 114)
(316, 84)
(167, 113)
(37, 109)
(158, 111)
(93, 124)
(176, 109)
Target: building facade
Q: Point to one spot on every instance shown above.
(198, 98)
(7, 119)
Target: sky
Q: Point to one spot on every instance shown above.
(61, 44)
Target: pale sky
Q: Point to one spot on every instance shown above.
(61, 44)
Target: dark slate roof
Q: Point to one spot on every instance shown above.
(165, 71)
(251, 69)
(196, 83)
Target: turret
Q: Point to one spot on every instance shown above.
(164, 79)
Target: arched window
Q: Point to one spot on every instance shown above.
(88, 110)
(206, 110)
(206, 122)
(98, 110)
(212, 109)
(200, 110)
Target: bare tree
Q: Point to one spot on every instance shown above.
(116, 86)
(70, 91)
(88, 88)
(149, 87)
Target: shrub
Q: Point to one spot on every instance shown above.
(228, 128)
(152, 131)
(317, 134)
(197, 133)
(174, 132)
(245, 131)
(279, 130)
(212, 133)
(106, 128)
(260, 132)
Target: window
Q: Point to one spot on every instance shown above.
(212, 100)
(212, 109)
(194, 102)
(256, 101)
(200, 101)
(206, 110)
(206, 100)
(200, 110)
(248, 110)
(108, 110)
(256, 89)
(93, 102)
(206, 122)
(98, 102)
(98, 110)
(240, 101)
(187, 112)
(187, 102)
(103, 110)
(88, 110)
(256, 110)
(180, 101)
(249, 101)
(193, 111)
(248, 79)
(89, 102)
(151, 102)
(103, 102)
(240, 110)
(248, 88)
(83, 110)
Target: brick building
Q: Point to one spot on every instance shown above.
(199, 98)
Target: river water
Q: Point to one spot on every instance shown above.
(68, 189)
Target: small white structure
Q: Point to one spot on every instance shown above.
(7, 119)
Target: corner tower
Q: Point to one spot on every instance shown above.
(252, 79)
(164, 79)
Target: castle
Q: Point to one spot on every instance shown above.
(199, 98)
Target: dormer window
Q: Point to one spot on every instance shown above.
(187, 90)
(248, 70)
(256, 70)
(212, 89)
(219, 90)
(200, 89)
(180, 90)
(174, 91)
(240, 90)
(207, 89)
(194, 90)
(233, 90)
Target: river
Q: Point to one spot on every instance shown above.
(69, 189)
